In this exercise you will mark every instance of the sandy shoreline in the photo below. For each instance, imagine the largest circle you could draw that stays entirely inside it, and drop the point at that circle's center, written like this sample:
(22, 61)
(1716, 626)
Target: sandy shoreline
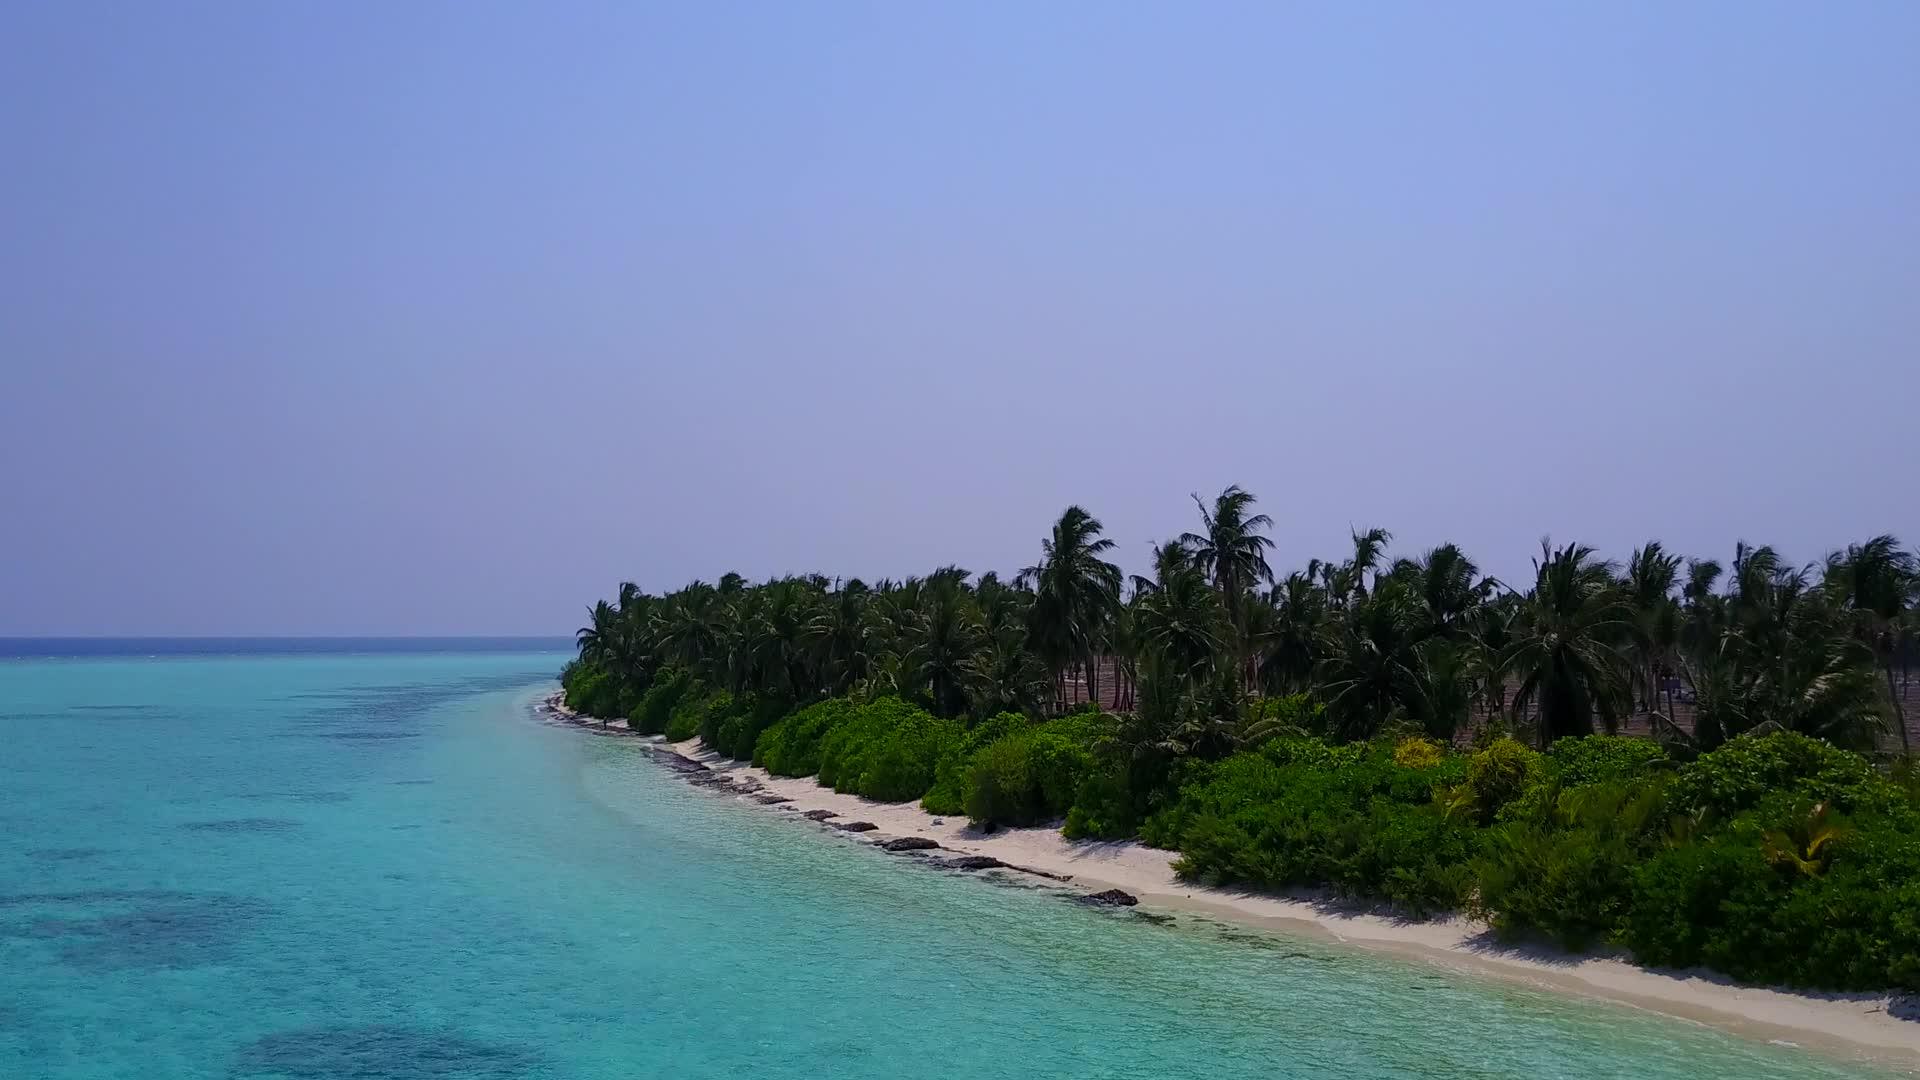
(1879, 1028)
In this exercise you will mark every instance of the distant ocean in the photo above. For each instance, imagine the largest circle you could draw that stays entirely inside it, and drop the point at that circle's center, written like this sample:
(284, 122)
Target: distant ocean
(49, 647)
(318, 861)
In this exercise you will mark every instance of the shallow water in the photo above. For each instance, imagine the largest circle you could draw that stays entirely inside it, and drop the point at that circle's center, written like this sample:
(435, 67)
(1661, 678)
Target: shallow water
(324, 866)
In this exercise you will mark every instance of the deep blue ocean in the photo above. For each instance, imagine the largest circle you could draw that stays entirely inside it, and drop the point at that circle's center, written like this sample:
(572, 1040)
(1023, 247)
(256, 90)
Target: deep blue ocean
(364, 861)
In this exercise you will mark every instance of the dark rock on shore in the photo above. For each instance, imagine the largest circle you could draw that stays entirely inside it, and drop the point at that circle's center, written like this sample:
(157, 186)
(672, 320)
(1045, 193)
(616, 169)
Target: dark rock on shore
(855, 826)
(910, 843)
(1048, 874)
(680, 762)
(973, 862)
(771, 800)
(1110, 898)
(819, 815)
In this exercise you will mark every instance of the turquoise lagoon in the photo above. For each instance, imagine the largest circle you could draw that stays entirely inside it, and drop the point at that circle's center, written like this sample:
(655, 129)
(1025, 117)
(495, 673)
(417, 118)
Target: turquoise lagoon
(364, 862)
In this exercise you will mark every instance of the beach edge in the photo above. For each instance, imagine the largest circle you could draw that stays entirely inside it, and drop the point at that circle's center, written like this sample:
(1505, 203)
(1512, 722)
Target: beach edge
(1858, 1027)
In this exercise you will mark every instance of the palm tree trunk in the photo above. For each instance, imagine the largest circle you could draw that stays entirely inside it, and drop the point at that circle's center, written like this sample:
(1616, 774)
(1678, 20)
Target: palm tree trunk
(1093, 679)
(1899, 711)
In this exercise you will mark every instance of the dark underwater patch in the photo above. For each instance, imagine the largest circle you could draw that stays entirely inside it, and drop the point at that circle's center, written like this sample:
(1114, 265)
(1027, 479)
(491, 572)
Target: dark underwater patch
(405, 699)
(92, 896)
(380, 1052)
(66, 854)
(245, 824)
(300, 796)
(140, 928)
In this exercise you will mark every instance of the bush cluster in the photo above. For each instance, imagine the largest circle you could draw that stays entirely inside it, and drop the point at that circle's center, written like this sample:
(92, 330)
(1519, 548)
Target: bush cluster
(690, 715)
(655, 710)
(1775, 858)
(1298, 812)
(591, 691)
(950, 781)
(887, 750)
(792, 746)
(1027, 778)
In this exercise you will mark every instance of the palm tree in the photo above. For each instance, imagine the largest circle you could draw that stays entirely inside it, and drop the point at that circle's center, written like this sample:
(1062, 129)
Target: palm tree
(1822, 685)
(1169, 558)
(1450, 586)
(595, 640)
(1489, 656)
(945, 640)
(1368, 548)
(1373, 675)
(1004, 675)
(687, 632)
(1566, 651)
(1878, 581)
(776, 621)
(1075, 594)
(1231, 549)
(835, 637)
(1650, 579)
(1289, 632)
(1181, 624)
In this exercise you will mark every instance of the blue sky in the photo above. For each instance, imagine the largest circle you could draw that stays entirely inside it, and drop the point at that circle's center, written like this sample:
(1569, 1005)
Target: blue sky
(444, 318)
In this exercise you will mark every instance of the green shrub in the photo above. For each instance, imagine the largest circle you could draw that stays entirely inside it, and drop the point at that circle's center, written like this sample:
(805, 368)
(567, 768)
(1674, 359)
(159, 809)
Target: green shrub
(1025, 778)
(949, 792)
(734, 729)
(1347, 817)
(1569, 873)
(591, 691)
(1311, 751)
(1720, 785)
(691, 716)
(1103, 808)
(717, 713)
(1499, 775)
(1418, 753)
(1593, 759)
(1291, 715)
(655, 710)
(1729, 902)
(1411, 856)
(887, 750)
(792, 746)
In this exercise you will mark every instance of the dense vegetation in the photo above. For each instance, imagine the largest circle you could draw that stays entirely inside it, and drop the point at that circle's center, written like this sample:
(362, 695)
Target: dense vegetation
(1406, 731)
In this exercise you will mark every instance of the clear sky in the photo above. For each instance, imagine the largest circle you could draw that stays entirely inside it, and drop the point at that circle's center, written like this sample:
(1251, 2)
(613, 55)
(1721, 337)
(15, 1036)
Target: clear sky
(444, 318)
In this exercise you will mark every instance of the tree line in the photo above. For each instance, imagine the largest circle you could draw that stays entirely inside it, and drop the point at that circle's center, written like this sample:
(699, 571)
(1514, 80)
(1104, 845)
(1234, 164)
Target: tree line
(1423, 644)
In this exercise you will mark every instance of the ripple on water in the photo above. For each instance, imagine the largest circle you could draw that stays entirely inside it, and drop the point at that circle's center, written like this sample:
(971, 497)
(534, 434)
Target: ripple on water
(380, 1052)
(244, 824)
